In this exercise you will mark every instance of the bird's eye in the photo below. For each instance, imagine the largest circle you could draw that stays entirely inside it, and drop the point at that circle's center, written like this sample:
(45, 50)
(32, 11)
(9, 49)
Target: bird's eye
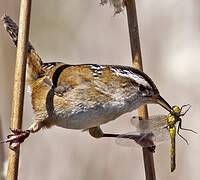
(142, 88)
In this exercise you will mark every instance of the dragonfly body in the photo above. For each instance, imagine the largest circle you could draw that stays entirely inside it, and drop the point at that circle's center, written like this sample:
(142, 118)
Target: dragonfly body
(159, 128)
(172, 132)
(171, 121)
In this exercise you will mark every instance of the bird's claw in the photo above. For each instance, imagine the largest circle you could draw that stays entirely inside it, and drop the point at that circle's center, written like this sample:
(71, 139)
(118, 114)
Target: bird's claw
(16, 138)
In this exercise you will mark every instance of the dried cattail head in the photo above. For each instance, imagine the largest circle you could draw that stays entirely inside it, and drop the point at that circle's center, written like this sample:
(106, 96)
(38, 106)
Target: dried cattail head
(117, 4)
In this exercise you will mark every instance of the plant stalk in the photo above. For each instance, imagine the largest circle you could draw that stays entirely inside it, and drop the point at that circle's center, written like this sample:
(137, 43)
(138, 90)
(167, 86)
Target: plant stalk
(137, 63)
(19, 84)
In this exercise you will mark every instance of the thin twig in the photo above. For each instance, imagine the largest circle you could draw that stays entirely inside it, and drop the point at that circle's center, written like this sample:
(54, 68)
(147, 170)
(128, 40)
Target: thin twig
(19, 84)
(137, 63)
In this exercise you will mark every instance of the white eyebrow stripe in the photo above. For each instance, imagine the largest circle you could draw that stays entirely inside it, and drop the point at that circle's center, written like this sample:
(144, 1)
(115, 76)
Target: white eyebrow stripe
(96, 69)
(129, 74)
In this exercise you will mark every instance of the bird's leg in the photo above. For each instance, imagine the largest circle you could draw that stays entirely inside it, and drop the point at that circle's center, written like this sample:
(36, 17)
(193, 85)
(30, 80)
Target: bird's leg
(97, 132)
(18, 135)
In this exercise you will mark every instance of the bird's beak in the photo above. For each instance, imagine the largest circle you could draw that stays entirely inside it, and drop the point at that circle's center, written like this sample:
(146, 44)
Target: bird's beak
(159, 100)
(163, 103)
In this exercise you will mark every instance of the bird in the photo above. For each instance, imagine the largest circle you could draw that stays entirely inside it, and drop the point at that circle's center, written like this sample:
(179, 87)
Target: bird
(80, 96)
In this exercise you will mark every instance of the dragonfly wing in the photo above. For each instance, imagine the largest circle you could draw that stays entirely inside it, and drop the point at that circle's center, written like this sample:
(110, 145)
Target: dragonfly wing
(161, 135)
(153, 122)
(133, 139)
(144, 138)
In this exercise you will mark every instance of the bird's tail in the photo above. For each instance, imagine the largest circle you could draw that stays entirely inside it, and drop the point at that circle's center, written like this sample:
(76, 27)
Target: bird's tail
(34, 62)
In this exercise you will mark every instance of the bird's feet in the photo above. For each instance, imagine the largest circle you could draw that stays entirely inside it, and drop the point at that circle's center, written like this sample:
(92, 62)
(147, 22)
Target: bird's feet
(16, 138)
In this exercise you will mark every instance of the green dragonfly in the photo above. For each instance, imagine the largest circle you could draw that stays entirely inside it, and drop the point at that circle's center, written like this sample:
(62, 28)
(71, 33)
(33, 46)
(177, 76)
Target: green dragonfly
(156, 130)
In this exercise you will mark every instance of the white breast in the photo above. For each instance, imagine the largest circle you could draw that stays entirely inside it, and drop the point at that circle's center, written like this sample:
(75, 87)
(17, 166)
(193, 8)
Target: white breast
(85, 118)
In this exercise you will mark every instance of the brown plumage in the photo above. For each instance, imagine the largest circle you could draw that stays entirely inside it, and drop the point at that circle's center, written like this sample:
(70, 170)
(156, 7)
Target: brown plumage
(82, 96)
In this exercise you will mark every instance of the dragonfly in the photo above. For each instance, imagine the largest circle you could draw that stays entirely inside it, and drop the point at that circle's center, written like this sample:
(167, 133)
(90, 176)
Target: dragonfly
(156, 130)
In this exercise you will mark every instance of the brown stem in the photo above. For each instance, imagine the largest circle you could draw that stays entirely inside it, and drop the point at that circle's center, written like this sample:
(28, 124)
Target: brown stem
(19, 83)
(137, 63)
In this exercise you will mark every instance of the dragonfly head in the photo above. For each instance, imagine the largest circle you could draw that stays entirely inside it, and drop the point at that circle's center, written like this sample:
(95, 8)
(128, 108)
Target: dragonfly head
(176, 111)
(175, 114)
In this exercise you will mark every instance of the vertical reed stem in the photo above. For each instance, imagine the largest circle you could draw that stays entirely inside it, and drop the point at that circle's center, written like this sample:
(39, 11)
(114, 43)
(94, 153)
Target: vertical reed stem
(137, 63)
(19, 84)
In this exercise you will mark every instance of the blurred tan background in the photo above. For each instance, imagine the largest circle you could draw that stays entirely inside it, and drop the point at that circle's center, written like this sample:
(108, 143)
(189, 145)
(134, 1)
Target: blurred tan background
(85, 32)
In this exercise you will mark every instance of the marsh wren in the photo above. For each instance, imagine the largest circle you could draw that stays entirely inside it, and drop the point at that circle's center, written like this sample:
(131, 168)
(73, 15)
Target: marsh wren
(82, 96)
